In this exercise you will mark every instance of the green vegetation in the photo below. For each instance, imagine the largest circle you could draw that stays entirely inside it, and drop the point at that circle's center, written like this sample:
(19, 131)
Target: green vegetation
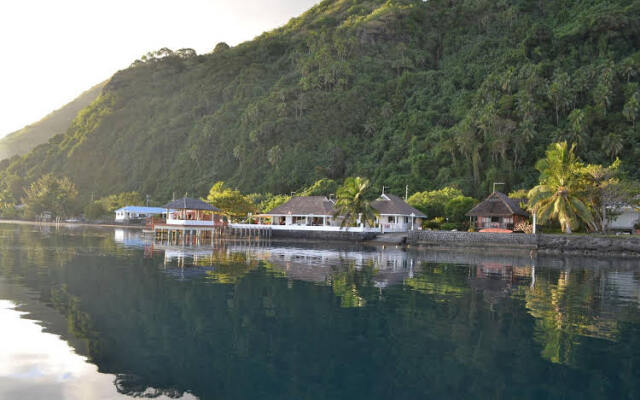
(426, 94)
(557, 195)
(52, 194)
(573, 193)
(353, 203)
(105, 206)
(271, 201)
(445, 208)
(230, 201)
(22, 141)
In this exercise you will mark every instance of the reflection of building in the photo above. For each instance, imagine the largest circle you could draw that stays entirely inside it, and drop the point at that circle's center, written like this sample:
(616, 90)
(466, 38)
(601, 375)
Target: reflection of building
(129, 238)
(391, 266)
(498, 280)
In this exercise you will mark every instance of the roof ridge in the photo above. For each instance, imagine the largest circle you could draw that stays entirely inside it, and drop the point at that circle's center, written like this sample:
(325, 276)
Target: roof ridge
(505, 199)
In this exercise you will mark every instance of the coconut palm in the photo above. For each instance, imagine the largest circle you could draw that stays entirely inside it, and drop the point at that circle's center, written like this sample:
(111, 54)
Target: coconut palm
(351, 203)
(557, 195)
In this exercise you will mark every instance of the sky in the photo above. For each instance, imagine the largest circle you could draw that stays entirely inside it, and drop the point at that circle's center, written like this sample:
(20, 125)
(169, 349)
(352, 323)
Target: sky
(37, 364)
(55, 50)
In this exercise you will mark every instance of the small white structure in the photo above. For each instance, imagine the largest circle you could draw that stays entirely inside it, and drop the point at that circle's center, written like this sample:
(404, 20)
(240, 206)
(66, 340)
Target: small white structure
(304, 211)
(132, 213)
(395, 215)
(192, 213)
(625, 219)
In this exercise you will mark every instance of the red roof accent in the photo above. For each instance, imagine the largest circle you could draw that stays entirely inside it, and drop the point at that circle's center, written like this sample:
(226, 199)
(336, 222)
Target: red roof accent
(495, 230)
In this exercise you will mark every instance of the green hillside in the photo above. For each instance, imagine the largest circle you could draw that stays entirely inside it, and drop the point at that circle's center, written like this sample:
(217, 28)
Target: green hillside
(22, 141)
(405, 92)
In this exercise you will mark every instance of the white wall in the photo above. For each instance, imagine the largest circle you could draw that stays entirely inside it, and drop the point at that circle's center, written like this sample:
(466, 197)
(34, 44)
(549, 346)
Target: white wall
(626, 220)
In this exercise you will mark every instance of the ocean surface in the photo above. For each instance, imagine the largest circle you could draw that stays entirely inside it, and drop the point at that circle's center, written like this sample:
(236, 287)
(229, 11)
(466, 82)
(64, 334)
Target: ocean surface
(97, 313)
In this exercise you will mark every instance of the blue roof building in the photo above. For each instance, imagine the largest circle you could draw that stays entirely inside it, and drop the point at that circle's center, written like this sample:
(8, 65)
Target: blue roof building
(137, 212)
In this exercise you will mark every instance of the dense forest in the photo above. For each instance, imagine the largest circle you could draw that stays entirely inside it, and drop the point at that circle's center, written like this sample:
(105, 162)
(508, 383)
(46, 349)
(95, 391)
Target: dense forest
(461, 93)
(23, 140)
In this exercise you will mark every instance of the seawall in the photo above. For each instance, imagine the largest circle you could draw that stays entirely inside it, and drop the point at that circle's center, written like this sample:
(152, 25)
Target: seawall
(342, 235)
(543, 243)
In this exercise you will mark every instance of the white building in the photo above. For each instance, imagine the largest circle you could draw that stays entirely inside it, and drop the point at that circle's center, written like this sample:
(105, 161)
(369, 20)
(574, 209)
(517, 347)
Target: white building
(304, 211)
(192, 212)
(136, 213)
(395, 215)
(625, 219)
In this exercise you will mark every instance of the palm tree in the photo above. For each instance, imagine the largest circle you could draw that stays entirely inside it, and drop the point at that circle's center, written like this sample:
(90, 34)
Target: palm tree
(351, 203)
(612, 145)
(557, 195)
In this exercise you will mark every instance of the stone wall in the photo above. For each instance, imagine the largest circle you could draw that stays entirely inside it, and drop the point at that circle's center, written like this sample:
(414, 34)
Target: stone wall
(322, 235)
(589, 244)
(544, 243)
(447, 239)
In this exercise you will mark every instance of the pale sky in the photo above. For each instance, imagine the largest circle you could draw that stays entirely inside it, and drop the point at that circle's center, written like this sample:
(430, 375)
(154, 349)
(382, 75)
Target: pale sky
(37, 364)
(54, 50)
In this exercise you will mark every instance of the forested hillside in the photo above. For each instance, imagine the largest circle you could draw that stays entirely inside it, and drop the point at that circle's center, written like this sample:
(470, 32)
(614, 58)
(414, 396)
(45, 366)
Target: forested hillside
(23, 140)
(405, 92)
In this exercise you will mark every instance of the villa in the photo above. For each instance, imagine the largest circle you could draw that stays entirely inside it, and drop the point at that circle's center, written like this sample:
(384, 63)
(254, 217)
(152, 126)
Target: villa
(498, 213)
(192, 212)
(395, 215)
(303, 211)
(189, 222)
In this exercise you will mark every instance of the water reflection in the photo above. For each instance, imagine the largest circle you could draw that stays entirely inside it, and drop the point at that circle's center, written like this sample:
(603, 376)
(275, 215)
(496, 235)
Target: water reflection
(37, 364)
(269, 320)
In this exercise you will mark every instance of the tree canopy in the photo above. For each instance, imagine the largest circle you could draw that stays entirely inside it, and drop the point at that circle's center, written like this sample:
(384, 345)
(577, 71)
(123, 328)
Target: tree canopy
(52, 194)
(559, 195)
(230, 201)
(426, 94)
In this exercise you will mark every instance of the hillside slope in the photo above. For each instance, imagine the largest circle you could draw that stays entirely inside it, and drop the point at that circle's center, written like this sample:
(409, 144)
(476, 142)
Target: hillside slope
(404, 92)
(22, 141)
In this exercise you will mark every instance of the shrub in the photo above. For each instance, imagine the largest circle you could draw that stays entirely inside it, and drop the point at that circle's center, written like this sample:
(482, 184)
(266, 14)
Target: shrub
(448, 226)
(433, 223)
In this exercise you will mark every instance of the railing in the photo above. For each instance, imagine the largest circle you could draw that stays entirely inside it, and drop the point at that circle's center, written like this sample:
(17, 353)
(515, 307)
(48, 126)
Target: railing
(189, 222)
(390, 228)
(151, 221)
(304, 228)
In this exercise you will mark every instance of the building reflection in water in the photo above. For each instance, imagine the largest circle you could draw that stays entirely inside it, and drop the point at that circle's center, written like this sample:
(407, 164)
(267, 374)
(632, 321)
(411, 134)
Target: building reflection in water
(576, 296)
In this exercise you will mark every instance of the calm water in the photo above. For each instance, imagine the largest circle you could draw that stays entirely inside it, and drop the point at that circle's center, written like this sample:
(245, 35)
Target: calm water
(101, 314)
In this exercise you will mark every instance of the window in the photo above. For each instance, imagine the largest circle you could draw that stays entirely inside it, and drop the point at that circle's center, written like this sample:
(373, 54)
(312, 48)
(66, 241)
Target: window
(390, 220)
(495, 219)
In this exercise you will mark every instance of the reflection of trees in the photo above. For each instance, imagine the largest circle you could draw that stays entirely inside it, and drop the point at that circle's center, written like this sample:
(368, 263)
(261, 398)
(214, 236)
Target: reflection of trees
(266, 337)
(348, 283)
(440, 279)
(567, 307)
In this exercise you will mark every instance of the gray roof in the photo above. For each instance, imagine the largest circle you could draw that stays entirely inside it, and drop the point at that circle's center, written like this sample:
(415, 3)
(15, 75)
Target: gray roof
(187, 203)
(305, 205)
(497, 205)
(394, 205)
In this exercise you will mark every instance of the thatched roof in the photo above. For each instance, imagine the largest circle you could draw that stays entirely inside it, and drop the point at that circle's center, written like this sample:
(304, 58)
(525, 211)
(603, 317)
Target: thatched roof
(305, 205)
(394, 205)
(187, 203)
(497, 205)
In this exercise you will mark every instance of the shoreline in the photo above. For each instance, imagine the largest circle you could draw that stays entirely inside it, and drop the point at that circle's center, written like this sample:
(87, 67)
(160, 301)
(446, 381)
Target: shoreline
(544, 244)
(69, 224)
